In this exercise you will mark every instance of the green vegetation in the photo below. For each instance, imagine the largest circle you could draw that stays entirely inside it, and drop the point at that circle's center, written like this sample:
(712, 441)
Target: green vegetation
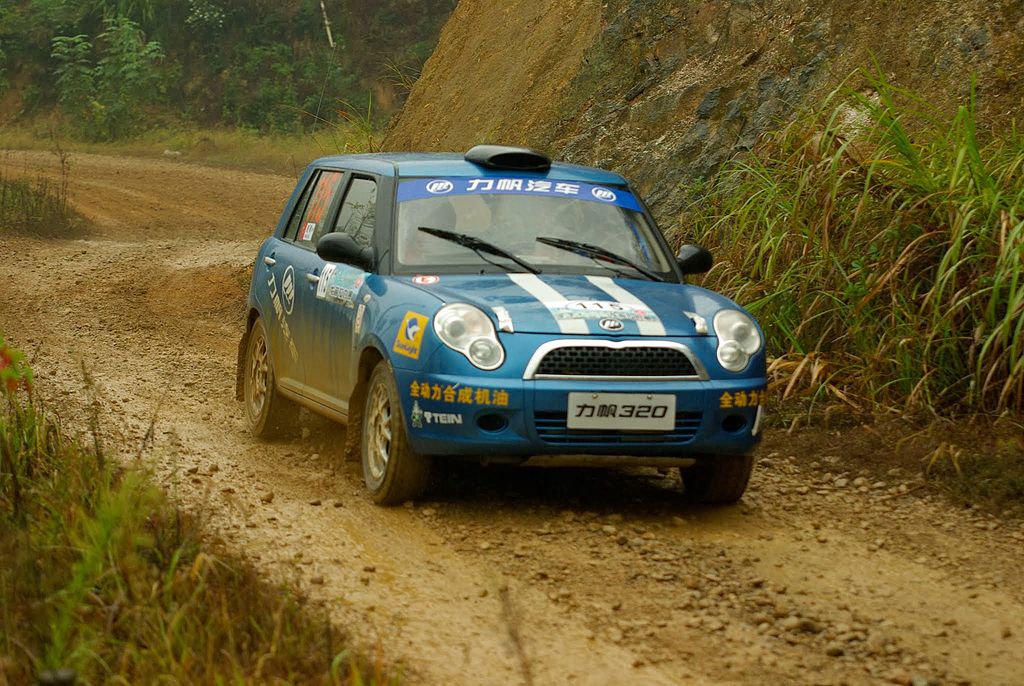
(115, 67)
(883, 250)
(102, 575)
(38, 207)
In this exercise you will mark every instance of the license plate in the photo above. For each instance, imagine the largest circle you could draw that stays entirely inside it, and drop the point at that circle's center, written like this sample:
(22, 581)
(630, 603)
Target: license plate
(622, 411)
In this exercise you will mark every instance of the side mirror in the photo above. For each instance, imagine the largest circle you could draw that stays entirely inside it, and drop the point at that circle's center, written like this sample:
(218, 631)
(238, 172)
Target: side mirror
(694, 259)
(340, 247)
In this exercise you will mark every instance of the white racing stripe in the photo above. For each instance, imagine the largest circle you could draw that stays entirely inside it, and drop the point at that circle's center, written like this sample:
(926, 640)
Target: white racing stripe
(653, 327)
(546, 294)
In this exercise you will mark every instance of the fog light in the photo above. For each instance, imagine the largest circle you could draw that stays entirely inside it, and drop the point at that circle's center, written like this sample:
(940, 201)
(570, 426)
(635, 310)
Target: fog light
(485, 353)
(732, 356)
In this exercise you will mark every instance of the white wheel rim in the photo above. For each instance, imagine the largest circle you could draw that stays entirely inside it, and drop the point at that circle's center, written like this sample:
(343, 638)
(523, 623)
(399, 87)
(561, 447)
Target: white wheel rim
(378, 451)
(258, 376)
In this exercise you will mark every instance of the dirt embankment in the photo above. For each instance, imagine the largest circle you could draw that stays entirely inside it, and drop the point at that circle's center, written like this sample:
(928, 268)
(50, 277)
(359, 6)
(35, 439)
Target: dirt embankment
(665, 91)
(825, 574)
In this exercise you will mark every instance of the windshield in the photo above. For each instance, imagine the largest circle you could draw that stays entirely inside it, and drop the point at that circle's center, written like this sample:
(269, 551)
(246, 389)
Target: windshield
(505, 214)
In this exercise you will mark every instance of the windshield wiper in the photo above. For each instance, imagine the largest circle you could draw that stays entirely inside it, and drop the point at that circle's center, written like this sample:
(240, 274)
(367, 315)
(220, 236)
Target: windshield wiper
(597, 253)
(478, 245)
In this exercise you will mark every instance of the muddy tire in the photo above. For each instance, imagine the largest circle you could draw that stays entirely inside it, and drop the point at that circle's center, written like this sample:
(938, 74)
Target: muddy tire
(393, 472)
(718, 480)
(268, 413)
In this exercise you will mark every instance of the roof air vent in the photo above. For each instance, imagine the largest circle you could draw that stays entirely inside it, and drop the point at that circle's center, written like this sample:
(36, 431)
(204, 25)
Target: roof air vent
(505, 157)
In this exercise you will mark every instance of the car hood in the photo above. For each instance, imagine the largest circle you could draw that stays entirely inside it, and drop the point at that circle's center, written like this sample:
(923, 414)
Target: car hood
(580, 304)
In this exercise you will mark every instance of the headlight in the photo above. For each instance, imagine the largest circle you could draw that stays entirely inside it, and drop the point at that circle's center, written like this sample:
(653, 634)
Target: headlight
(738, 339)
(466, 329)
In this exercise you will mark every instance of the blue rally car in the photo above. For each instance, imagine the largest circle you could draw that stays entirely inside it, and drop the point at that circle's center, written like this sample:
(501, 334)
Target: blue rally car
(496, 306)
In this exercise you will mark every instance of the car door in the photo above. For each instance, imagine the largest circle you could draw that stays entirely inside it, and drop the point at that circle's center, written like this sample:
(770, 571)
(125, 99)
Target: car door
(296, 272)
(340, 290)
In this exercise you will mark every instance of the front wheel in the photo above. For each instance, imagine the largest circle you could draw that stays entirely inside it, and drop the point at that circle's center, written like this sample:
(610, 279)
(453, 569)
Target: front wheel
(393, 472)
(718, 479)
(268, 413)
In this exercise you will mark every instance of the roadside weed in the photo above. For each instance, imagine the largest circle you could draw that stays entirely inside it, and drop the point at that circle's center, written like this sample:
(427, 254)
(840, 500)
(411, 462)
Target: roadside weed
(883, 251)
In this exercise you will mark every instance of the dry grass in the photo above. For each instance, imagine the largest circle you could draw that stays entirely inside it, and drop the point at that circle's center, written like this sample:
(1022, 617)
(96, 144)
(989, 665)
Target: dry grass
(103, 576)
(883, 250)
(234, 148)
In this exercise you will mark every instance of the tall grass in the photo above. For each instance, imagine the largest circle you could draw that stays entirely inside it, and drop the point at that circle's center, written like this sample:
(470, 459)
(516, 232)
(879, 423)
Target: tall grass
(38, 207)
(882, 248)
(99, 574)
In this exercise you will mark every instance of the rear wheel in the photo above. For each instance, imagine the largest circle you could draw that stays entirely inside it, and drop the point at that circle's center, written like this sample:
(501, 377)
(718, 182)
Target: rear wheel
(718, 479)
(267, 412)
(393, 472)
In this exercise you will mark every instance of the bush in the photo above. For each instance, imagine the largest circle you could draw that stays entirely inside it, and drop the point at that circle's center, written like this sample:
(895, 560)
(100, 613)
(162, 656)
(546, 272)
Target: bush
(109, 99)
(881, 248)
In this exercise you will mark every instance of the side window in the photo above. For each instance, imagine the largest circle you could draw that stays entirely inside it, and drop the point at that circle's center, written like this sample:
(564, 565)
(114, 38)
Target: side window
(358, 214)
(292, 231)
(310, 227)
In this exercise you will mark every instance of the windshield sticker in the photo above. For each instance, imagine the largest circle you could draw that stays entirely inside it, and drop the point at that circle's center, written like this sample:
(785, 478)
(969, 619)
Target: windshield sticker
(600, 309)
(340, 284)
(307, 233)
(410, 335)
(418, 189)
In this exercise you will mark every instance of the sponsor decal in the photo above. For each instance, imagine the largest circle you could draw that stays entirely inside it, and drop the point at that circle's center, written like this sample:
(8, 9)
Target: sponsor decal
(573, 315)
(649, 325)
(307, 232)
(418, 189)
(442, 418)
(426, 280)
(357, 328)
(459, 395)
(288, 289)
(420, 418)
(282, 317)
(741, 399)
(504, 320)
(410, 335)
(600, 309)
(340, 284)
(440, 186)
(540, 290)
(612, 324)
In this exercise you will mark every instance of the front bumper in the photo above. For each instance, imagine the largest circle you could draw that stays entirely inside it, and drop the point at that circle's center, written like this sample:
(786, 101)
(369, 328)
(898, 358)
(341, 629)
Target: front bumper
(451, 414)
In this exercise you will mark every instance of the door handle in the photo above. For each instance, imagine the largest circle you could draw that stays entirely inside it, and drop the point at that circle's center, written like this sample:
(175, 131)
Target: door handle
(312, 278)
(269, 261)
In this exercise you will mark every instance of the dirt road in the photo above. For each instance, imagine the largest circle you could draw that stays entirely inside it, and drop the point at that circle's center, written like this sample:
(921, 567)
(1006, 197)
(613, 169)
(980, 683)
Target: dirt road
(501, 576)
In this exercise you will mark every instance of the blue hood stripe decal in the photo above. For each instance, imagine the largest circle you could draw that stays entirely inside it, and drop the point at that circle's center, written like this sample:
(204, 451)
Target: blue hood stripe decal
(652, 327)
(546, 295)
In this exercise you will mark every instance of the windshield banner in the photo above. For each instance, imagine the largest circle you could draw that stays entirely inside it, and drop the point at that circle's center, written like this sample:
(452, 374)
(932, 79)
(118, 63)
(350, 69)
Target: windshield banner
(419, 189)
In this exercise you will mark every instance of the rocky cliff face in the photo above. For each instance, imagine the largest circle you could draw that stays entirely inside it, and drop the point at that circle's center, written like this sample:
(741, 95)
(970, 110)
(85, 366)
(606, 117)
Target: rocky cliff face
(665, 91)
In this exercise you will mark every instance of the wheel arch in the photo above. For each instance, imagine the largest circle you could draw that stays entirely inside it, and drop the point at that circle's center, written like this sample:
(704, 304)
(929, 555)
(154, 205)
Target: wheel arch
(243, 345)
(369, 357)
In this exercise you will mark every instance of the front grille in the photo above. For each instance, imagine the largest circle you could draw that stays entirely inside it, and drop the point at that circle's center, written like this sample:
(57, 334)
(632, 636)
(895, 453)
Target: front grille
(593, 360)
(551, 428)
